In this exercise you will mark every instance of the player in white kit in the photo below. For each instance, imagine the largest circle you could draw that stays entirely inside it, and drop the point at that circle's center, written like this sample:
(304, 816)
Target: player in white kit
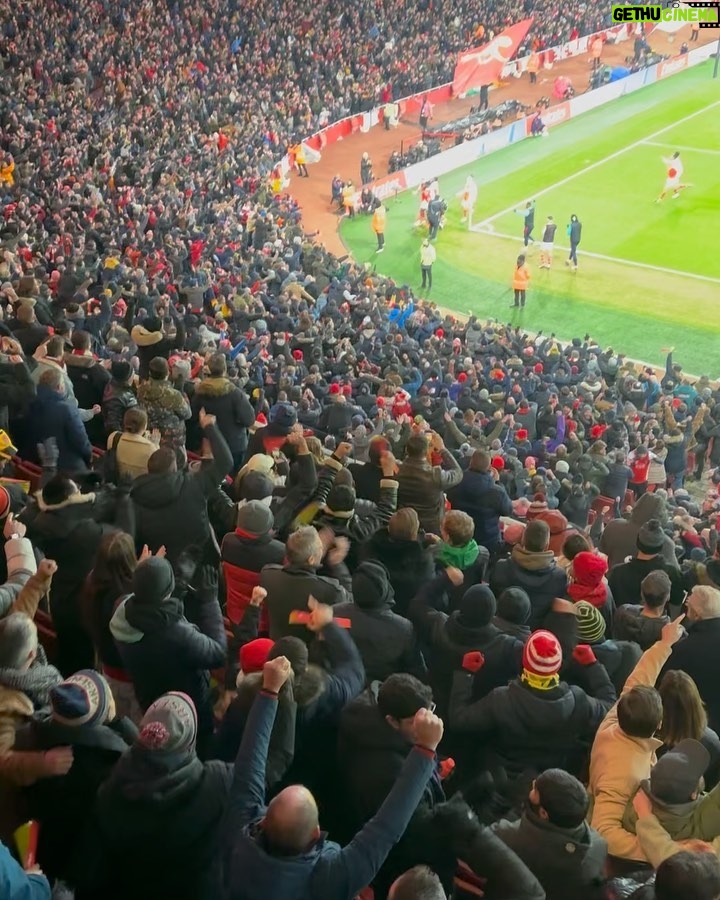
(673, 181)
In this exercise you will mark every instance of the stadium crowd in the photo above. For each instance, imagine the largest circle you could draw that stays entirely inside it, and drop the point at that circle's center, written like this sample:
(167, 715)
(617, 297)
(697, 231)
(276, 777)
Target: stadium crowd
(294, 526)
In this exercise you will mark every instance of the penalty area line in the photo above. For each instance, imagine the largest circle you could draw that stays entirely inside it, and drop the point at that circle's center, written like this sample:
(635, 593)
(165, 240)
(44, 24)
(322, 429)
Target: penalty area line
(479, 229)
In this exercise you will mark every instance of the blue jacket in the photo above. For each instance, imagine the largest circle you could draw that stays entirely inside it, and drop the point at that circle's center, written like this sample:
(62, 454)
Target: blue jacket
(483, 500)
(51, 415)
(16, 885)
(249, 872)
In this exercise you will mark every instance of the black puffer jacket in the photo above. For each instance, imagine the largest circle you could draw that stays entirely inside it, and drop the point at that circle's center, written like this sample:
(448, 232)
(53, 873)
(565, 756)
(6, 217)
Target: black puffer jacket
(386, 641)
(230, 405)
(409, 565)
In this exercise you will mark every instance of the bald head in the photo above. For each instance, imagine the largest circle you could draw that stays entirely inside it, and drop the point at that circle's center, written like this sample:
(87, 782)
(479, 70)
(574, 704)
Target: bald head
(291, 821)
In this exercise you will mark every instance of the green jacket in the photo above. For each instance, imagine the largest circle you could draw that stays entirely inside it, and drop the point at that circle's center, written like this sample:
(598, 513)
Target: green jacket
(699, 819)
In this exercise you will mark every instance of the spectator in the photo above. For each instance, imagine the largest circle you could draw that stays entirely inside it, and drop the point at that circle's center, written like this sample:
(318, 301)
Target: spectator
(89, 379)
(244, 554)
(50, 415)
(555, 842)
(172, 506)
(401, 550)
(483, 499)
(587, 572)
(422, 486)
(290, 586)
(82, 717)
(17, 884)
(221, 398)
(533, 568)
(624, 750)
(522, 724)
(153, 344)
(131, 447)
(118, 396)
(618, 657)
(626, 578)
(619, 539)
(513, 613)
(367, 477)
(137, 815)
(695, 654)
(290, 824)
(386, 641)
(159, 647)
(167, 409)
(70, 526)
(643, 623)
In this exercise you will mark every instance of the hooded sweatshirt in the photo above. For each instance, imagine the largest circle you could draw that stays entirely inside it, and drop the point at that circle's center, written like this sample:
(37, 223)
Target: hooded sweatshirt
(629, 624)
(537, 573)
(619, 539)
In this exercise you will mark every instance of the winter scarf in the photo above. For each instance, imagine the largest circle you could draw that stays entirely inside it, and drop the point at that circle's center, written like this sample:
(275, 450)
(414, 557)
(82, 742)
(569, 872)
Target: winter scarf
(540, 682)
(149, 618)
(34, 682)
(460, 557)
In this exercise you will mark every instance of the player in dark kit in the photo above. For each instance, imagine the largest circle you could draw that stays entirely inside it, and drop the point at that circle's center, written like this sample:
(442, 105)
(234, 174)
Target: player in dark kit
(574, 231)
(528, 215)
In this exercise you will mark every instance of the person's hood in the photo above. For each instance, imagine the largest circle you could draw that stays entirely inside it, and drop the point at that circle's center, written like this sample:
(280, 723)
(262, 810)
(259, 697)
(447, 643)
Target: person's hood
(363, 727)
(522, 632)
(214, 387)
(455, 632)
(144, 338)
(668, 811)
(637, 627)
(74, 361)
(121, 629)
(47, 733)
(532, 561)
(649, 506)
(397, 554)
(158, 490)
(57, 521)
(577, 843)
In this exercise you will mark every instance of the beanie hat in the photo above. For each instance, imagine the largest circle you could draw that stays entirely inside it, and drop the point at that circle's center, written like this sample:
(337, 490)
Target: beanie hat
(170, 724)
(542, 654)
(597, 431)
(371, 586)
(589, 568)
(297, 355)
(153, 581)
(462, 378)
(590, 623)
(513, 605)
(121, 370)
(498, 463)
(261, 419)
(562, 467)
(538, 368)
(341, 501)
(538, 506)
(477, 607)
(650, 537)
(294, 650)
(256, 486)
(4, 502)
(254, 655)
(334, 388)
(284, 415)
(521, 434)
(83, 699)
(159, 368)
(255, 517)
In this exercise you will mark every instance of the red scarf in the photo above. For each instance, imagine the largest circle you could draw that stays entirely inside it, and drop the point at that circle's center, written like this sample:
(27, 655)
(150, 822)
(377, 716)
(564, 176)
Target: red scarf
(595, 595)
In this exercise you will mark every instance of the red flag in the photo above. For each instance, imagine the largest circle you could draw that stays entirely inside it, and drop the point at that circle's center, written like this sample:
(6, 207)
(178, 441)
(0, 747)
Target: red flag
(483, 65)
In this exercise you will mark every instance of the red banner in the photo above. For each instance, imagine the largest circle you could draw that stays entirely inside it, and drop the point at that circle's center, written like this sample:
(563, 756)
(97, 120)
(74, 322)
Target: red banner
(483, 65)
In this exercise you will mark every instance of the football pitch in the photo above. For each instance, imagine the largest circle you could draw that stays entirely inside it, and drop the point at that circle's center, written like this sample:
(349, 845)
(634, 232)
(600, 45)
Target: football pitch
(649, 273)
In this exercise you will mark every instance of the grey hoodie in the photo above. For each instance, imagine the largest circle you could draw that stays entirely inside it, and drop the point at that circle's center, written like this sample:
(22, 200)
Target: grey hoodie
(629, 624)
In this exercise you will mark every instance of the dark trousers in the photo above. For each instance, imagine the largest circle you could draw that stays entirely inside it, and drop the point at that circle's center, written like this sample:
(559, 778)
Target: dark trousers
(426, 275)
(302, 170)
(381, 240)
(573, 252)
(519, 297)
(527, 235)
(533, 78)
(434, 225)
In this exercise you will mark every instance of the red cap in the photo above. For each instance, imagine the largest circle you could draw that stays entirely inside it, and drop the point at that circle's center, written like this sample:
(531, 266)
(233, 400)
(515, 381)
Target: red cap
(381, 401)
(261, 419)
(462, 377)
(254, 655)
(440, 333)
(589, 568)
(521, 434)
(539, 368)
(347, 390)
(597, 431)
(498, 463)
(297, 354)
(334, 388)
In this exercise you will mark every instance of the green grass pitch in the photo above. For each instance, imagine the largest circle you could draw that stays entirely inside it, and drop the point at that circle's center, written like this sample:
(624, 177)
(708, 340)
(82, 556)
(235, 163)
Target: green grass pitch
(649, 274)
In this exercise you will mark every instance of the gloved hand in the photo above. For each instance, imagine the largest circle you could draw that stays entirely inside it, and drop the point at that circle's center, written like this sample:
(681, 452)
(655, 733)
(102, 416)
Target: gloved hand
(473, 661)
(583, 654)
